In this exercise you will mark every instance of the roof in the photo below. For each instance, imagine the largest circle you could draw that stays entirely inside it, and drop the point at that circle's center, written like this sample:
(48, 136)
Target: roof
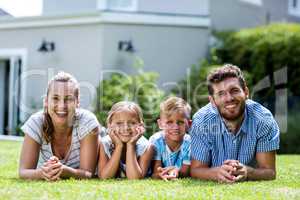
(4, 13)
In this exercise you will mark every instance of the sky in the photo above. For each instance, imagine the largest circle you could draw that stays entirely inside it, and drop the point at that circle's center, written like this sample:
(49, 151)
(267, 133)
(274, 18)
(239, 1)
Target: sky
(20, 8)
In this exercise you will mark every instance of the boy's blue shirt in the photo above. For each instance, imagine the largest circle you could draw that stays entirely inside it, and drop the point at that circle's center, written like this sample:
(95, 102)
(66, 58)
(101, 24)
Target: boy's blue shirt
(166, 156)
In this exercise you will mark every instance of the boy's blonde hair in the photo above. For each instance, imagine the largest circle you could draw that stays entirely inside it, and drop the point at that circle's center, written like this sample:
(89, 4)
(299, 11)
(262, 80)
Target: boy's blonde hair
(175, 104)
(127, 106)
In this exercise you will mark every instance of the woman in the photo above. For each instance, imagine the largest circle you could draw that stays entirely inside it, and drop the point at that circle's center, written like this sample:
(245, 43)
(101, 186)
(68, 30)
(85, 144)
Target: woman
(61, 141)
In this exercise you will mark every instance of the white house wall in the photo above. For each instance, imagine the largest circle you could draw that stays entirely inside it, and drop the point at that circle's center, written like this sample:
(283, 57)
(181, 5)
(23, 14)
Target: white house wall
(77, 51)
(239, 14)
(235, 15)
(169, 50)
(187, 7)
(53, 7)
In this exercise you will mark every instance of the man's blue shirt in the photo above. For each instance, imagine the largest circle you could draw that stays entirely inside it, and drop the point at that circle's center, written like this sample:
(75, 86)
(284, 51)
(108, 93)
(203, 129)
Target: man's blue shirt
(212, 143)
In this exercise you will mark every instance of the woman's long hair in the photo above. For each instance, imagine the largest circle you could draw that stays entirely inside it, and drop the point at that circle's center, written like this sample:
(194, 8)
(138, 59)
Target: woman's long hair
(48, 127)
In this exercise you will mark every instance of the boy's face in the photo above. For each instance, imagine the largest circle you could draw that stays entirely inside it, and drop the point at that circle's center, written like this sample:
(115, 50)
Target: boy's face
(174, 125)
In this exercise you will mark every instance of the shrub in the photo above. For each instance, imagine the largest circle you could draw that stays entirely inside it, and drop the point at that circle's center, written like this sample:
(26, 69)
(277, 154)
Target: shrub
(290, 141)
(264, 50)
(140, 88)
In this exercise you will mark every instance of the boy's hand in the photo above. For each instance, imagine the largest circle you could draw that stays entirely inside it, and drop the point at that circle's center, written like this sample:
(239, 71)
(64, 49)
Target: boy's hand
(168, 173)
(174, 173)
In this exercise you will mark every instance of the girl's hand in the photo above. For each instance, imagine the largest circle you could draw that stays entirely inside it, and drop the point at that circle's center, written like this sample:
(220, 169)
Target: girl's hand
(115, 137)
(139, 131)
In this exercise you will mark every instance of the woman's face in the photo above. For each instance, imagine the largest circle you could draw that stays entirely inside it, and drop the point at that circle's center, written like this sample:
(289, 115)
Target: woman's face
(61, 103)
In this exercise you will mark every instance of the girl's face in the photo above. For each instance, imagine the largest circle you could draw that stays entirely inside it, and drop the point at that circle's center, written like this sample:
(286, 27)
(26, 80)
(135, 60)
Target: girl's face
(61, 103)
(125, 123)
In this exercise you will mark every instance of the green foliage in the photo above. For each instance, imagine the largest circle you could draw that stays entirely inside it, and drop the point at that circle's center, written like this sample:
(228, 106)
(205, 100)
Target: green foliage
(264, 50)
(290, 141)
(286, 186)
(194, 88)
(140, 88)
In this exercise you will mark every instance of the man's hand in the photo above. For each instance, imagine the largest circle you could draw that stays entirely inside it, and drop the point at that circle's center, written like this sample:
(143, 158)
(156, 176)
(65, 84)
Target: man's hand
(241, 172)
(224, 174)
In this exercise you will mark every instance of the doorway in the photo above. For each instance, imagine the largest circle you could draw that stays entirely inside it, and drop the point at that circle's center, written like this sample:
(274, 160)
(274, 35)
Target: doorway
(10, 71)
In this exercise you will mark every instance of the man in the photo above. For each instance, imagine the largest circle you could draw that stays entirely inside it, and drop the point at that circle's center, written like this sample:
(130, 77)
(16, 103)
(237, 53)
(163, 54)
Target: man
(233, 138)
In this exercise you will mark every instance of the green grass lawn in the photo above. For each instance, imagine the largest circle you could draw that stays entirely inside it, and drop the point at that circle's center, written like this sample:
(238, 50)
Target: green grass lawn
(286, 186)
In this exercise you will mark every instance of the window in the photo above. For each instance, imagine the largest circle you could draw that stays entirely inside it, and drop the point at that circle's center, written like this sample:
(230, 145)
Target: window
(254, 2)
(294, 7)
(122, 5)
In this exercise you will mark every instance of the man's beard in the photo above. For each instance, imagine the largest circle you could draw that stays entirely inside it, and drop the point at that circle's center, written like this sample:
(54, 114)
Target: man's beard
(230, 116)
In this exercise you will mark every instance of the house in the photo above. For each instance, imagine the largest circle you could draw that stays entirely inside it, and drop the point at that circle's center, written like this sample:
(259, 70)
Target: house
(4, 13)
(91, 39)
(239, 14)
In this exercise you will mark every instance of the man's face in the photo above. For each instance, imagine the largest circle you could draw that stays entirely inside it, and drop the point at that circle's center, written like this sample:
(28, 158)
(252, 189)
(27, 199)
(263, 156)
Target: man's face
(229, 98)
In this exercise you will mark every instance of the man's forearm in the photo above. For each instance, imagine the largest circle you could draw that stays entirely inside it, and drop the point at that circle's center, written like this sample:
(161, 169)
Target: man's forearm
(260, 174)
(204, 173)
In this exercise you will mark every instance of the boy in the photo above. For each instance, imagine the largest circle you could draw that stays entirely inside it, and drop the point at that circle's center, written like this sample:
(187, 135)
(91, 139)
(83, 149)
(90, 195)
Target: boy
(172, 144)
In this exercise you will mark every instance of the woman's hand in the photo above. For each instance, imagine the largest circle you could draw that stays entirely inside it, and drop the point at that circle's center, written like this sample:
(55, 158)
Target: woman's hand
(52, 169)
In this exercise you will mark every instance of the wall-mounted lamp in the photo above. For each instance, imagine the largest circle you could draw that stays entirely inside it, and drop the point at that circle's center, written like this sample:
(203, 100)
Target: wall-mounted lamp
(126, 45)
(46, 46)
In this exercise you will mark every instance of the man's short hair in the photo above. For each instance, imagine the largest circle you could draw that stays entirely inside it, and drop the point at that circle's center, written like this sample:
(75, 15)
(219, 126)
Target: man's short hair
(175, 104)
(222, 73)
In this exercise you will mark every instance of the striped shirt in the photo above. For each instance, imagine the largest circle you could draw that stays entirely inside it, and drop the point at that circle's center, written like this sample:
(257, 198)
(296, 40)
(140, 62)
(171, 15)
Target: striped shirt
(84, 123)
(168, 157)
(212, 143)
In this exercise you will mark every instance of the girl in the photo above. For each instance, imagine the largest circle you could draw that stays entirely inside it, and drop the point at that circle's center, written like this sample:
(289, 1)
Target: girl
(124, 152)
(60, 141)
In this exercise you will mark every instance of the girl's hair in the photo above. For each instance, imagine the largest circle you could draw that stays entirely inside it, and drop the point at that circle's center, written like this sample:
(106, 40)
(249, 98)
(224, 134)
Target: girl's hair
(125, 106)
(48, 127)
